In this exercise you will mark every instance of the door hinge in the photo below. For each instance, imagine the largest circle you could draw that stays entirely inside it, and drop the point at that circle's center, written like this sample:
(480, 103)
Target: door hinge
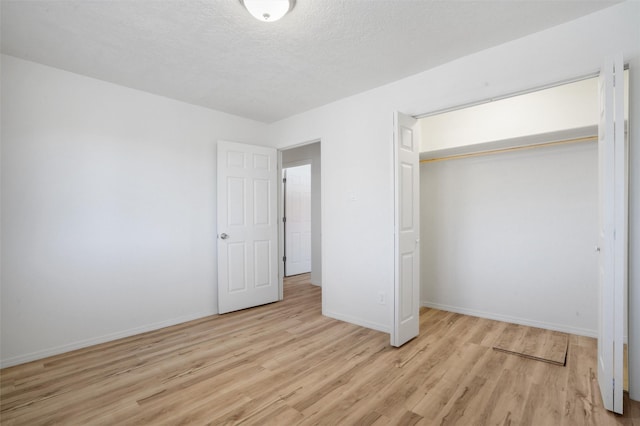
(284, 258)
(284, 180)
(613, 389)
(284, 219)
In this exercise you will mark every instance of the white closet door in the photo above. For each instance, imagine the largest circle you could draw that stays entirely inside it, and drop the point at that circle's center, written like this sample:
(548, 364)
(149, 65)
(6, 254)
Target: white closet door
(612, 245)
(406, 306)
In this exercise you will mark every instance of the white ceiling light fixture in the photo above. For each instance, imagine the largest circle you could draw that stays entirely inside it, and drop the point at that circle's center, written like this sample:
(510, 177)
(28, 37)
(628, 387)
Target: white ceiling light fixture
(268, 10)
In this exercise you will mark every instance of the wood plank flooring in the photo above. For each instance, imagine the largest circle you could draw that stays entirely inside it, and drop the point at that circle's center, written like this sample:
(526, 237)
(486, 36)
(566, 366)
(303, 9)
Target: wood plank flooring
(285, 363)
(535, 343)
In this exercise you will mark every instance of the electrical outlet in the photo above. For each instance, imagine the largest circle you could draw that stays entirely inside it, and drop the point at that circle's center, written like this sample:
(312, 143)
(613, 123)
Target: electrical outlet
(381, 298)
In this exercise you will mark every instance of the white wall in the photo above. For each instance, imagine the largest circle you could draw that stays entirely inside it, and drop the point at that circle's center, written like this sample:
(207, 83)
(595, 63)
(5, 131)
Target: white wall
(357, 183)
(108, 210)
(311, 154)
(357, 206)
(563, 112)
(505, 233)
(560, 112)
(569, 106)
(511, 236)
(356, 138)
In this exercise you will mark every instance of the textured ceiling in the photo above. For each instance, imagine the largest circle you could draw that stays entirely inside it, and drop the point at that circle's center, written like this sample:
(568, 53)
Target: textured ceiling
(213, 53)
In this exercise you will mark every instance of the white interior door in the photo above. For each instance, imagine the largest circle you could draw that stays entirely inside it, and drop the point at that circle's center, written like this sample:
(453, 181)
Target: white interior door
(612, 240)
(247, 226)
(406, 300)
(297, 207)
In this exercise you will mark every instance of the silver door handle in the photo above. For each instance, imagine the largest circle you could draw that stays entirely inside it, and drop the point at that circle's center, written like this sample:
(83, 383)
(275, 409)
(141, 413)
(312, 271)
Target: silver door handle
(224, 236)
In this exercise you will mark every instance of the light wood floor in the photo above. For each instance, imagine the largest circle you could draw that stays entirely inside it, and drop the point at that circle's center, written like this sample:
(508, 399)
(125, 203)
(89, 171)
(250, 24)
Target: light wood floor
(287, 364)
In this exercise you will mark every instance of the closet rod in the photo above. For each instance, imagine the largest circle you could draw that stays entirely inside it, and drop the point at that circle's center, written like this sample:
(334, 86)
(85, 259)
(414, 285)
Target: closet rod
(512, 149)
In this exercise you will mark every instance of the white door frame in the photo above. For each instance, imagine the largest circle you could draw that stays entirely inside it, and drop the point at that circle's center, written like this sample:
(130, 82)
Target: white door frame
(619, 199)
(280, 229)
(281, 212)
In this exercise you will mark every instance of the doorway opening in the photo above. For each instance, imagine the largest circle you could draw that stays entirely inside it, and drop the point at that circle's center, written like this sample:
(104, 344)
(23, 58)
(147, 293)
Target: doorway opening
(509, 203)
(300, 209)
(297, 219)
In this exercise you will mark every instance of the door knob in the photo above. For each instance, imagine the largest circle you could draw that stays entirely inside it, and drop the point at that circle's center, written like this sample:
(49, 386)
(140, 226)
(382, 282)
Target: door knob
(224, 236)
(597, 249)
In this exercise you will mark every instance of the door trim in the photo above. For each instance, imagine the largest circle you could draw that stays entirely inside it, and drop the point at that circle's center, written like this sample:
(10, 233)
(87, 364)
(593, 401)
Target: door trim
(281, 213)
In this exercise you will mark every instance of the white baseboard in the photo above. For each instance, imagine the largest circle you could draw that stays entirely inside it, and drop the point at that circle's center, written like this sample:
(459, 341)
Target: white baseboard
(515, 320)
(33, 356)
(357, 321)
(21, 359)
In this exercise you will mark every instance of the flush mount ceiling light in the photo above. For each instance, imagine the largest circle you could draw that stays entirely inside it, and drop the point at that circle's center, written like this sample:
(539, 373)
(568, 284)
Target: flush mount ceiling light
(268, 10)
